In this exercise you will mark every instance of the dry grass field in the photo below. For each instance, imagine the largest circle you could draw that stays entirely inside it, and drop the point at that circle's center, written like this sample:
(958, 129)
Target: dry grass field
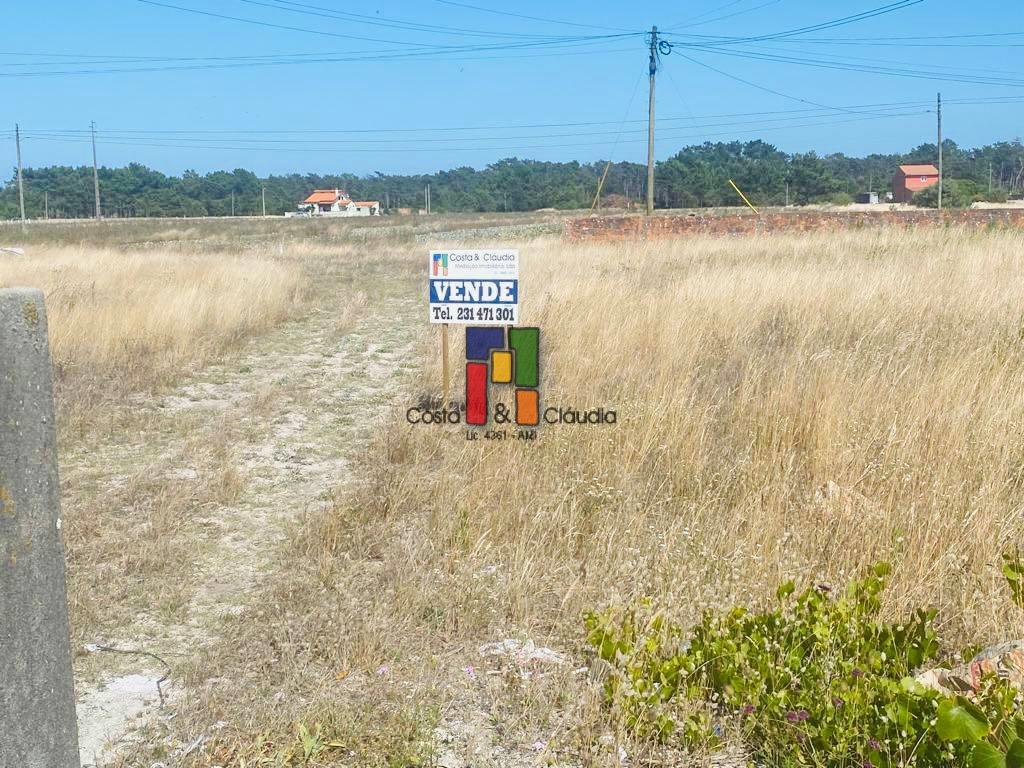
(125, 322)
(789, 407)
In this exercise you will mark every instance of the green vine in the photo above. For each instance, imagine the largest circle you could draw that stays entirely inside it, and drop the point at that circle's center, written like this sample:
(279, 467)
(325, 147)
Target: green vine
(819, 680)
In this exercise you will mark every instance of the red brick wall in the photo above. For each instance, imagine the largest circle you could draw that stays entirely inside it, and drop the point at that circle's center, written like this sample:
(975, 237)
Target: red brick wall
(667, 226)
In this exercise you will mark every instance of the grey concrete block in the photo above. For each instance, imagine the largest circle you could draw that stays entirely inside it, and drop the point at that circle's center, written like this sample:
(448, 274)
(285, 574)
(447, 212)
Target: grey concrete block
(37, 699)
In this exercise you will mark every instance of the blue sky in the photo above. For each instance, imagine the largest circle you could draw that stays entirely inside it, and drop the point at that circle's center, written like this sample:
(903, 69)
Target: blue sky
(555, 78)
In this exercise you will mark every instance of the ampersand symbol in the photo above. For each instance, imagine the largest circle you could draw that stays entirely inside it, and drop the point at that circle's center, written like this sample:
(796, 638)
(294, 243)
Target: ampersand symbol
(501, 414)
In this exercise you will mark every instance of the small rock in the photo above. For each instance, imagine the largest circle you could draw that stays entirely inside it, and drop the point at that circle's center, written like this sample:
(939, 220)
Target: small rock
(523, 653)
(449, 760)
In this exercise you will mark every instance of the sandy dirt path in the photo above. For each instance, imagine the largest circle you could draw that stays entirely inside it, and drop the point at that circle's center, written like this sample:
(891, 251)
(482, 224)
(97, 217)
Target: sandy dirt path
(299, 405)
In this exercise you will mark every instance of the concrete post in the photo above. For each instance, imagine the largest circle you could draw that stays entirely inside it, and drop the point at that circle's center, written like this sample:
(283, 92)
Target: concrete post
(37, 697)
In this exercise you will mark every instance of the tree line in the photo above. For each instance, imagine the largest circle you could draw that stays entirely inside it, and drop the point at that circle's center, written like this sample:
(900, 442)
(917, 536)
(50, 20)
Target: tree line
(697, 176)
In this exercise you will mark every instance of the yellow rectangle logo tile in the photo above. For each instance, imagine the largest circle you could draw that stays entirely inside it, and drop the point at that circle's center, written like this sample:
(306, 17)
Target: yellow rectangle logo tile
(501, 367)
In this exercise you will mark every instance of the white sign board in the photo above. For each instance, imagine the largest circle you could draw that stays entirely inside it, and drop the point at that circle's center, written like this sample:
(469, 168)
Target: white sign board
(474, 287)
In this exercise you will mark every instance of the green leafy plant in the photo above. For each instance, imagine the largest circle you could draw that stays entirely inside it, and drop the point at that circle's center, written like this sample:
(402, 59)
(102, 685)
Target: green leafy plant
(990, 727)
(817, 680)
(1013, 570)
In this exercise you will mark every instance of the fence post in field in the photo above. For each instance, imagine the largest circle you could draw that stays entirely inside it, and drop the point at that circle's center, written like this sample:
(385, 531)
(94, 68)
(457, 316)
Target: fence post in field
(37, 698)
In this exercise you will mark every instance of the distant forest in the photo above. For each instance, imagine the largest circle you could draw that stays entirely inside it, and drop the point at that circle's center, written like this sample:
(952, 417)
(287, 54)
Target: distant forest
(695, 177)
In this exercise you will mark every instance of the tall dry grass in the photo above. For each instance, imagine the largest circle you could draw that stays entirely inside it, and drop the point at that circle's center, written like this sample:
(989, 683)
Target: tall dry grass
(121, 322)
(789, 407)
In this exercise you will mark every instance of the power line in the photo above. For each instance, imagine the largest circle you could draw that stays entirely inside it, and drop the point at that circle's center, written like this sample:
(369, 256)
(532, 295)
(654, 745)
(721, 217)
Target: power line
(358, 18)
(382, 56)
(322, 32)
(444, 53)
(765, 115)
(862, 68)
(574, 145)
(524, 16)
(975, 35)
(872, 42)
(777, 48)
(840, 22)
(763, 87)
(732, 15)
(714, 10)
(271, 25)
(313, 143)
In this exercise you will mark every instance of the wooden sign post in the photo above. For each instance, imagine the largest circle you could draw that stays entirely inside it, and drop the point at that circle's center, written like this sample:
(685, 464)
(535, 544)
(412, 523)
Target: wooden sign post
(445, 372)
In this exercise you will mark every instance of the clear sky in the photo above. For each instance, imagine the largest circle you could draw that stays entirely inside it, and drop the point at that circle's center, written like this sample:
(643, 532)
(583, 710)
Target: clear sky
(377, 103)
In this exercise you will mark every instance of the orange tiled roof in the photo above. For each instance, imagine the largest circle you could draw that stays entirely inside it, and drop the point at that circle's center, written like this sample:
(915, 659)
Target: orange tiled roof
(325, 196)
(919, 170)
(368, 203)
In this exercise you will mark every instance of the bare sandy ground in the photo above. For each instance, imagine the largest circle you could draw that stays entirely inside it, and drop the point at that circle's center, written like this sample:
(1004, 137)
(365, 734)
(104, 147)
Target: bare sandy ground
(306, 398)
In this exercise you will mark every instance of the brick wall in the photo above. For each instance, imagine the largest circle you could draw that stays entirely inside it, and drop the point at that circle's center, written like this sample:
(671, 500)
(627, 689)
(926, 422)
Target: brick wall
(611, 228)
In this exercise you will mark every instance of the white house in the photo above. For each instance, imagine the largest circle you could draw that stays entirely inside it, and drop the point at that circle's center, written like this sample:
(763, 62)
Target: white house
(335, 202)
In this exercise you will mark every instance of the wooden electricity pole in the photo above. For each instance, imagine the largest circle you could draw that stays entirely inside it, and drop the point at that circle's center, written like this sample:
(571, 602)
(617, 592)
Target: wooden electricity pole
(939, 113)
(21, 180)
(95, 172)
(263, 194)
(232, 202)
(650, 123)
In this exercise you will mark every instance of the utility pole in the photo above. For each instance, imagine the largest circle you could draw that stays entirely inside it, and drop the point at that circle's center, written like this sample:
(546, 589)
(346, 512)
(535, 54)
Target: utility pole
(232, 202)
(46, 204)
(95, 172)
(787, 194)
(263, 194)
(426, 198)
(990, 178)
(21, 180)
(939, 112)
(650, 123)
(387, 201)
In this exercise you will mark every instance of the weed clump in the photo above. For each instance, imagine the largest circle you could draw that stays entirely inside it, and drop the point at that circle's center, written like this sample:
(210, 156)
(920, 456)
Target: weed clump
(819, 679)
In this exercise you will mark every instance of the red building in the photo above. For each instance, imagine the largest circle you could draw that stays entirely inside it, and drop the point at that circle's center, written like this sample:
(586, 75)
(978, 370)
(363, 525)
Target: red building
(911, 179)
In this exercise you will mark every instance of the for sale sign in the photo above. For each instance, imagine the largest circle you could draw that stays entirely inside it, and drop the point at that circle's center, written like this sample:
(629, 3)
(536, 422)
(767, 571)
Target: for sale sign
(474, 287)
